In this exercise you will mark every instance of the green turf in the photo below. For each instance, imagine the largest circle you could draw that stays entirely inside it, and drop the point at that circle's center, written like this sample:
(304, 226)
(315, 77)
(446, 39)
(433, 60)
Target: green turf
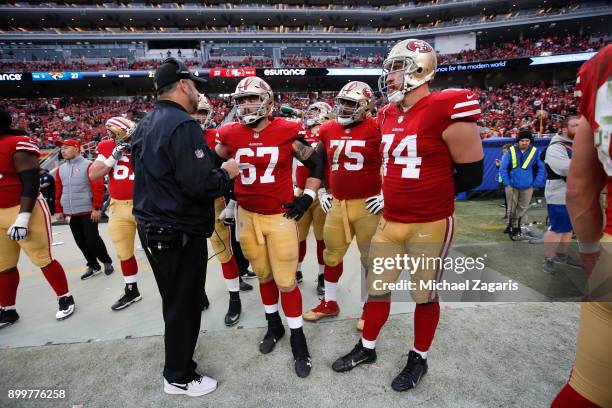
(479, 230)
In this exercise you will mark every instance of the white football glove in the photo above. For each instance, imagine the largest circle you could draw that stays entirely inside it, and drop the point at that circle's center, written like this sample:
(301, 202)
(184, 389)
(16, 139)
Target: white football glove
(227, 215)
(325, 199)
(19, 229)
(375, 204)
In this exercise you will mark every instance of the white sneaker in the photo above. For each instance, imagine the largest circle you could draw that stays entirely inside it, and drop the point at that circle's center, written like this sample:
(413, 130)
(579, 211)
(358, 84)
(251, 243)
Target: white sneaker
(202, 385)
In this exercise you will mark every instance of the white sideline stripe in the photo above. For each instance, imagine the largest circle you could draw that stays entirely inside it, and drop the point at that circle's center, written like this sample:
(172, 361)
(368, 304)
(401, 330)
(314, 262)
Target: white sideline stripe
(463, 104)
(464, 114)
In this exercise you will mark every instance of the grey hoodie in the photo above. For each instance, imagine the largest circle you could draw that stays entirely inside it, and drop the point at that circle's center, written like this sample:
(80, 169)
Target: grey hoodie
(559, 161)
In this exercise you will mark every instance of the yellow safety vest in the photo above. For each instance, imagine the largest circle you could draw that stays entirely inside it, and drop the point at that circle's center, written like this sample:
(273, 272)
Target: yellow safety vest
(527, 161)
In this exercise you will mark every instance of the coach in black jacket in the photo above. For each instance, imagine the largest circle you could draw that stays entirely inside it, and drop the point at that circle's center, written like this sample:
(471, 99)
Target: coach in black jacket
(175, 184)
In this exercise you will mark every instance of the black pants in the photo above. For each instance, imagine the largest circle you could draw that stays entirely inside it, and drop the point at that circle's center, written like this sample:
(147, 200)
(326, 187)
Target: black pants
(87, 237)
(180, 276)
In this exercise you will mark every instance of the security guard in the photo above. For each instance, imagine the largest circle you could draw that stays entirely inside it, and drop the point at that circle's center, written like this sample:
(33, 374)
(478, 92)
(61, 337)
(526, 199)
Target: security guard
(176, 181)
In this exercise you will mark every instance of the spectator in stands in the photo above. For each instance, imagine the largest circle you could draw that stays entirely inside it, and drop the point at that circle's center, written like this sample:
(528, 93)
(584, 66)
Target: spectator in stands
(80, 198)
(558, 156)
(521, 169)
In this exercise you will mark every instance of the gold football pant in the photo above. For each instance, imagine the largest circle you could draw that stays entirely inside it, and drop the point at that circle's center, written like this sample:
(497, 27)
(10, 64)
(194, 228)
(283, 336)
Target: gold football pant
(122, 227)
(345, 220)
(270, 243)
(37, 244)
(428, 240)
(220, 239)
(592, 373)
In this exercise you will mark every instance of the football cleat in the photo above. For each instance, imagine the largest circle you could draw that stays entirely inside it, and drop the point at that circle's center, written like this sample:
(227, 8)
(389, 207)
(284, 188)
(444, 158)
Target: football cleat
(415, 369)
(359, 355)
(324, 309)
(201, 385)
(66, 307)
(321, 285)
(233, 312)
(275, 332)
(8, 317)
(299, 348)
(130, 295)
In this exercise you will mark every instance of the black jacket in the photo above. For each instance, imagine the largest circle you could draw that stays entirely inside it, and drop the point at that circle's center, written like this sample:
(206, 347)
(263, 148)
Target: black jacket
(175, 179)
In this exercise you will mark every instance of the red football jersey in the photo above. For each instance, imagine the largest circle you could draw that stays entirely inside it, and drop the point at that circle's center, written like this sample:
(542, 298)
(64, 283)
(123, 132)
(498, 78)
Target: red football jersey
(121, 177)
(418, 169)
(353, 158)
(212, 137)
(593, 86)
(10, 184)
(265, 160)
(302, 172)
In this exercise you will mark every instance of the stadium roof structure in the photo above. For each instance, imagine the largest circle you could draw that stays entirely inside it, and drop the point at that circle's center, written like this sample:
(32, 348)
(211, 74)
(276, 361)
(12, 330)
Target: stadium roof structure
(238, 21)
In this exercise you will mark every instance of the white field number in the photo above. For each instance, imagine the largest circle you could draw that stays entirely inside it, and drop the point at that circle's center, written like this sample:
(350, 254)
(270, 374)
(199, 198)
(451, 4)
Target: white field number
(408, 159)
(248, 172)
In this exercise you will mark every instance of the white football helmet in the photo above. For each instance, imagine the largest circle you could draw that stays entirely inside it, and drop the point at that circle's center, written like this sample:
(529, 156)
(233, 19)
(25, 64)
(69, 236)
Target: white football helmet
(120, 128)
(354, 103)
(204, 113)
(317, 114)
(415, 63)
(251, 112)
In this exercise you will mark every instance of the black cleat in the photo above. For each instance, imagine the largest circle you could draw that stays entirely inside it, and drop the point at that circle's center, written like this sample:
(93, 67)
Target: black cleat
(245, 287)
(233, 312)
(131, 295)
(299, 277)
(205, 303)
(275, 332)
(66, 307)
(320, 285)
(299, 348)
(8, 317)
(359, 355)
(409, 378)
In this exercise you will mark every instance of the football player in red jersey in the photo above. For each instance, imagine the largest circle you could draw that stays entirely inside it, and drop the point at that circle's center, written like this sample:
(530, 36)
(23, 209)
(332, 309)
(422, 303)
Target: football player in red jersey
(590, 383)
(26, 222)
(113, 159)
(264, 148)
(351, 143)
(315, 115)
(220, 240)
(431, 150)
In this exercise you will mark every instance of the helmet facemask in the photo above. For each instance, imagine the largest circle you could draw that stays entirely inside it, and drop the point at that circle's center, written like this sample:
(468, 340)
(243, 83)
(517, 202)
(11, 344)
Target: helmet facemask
(204, 118)
(312, 117)
(249, 112)
(403, 67)
(348, 110)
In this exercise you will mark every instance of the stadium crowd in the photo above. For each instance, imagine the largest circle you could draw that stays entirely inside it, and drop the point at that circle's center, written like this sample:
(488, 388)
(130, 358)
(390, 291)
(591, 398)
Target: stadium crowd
(506, 109)
(515, 49)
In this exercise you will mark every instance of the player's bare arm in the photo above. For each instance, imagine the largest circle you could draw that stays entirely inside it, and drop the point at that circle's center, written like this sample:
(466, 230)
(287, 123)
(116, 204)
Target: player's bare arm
(98, 170)
(585, 180)
(465, 147)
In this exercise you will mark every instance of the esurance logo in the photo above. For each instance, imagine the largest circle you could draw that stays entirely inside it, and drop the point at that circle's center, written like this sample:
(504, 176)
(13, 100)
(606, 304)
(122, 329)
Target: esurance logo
(10, 77)
(284, 71)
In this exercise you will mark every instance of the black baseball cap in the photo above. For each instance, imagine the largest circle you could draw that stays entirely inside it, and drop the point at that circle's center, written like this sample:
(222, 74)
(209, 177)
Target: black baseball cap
(525, 134)
(172, 70)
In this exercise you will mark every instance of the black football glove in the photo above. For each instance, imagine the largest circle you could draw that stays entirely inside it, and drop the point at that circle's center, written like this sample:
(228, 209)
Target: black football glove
(298, 207)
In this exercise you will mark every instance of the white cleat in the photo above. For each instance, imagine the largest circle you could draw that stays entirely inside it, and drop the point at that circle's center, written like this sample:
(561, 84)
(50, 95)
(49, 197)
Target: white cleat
(202, 385)
(66, 307)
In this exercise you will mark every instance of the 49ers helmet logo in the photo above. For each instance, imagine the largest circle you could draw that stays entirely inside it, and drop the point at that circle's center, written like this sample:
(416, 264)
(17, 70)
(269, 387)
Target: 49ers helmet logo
(419, 46)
